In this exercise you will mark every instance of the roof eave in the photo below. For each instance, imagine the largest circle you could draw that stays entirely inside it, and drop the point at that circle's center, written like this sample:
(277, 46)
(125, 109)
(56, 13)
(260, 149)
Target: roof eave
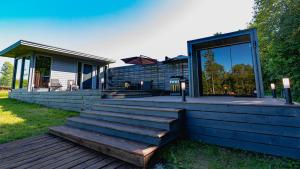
(11, 47)
(55, 50)
(221, 36)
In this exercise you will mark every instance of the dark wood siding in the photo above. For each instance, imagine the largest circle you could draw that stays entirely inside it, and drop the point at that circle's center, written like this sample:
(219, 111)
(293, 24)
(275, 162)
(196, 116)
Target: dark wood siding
(159, 73)
(261, 128)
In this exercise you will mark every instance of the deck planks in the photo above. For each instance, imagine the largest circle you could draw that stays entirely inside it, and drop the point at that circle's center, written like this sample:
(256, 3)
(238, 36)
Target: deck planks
(48, 151)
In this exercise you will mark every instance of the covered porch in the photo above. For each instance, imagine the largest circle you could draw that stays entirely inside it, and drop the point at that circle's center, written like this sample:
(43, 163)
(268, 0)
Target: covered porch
(39, 67)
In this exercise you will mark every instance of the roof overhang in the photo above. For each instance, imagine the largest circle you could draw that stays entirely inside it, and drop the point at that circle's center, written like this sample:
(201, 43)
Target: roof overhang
(24, 47)
(241, 36)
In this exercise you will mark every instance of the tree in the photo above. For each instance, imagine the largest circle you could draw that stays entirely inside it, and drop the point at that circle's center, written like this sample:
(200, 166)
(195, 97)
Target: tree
(278, 25)
(243, 79)
(6, 74)
(213, 74)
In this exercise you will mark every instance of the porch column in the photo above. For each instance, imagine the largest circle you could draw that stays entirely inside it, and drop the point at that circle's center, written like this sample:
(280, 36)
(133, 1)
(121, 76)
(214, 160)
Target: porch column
(105, 77)
(22, 72)
(257, 66)
(193, 69)
(14, 74)
(31, 73)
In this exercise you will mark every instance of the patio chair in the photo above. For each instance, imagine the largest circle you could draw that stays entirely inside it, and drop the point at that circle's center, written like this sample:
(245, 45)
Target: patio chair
(54, 85)
(72, 86)
(127, 85)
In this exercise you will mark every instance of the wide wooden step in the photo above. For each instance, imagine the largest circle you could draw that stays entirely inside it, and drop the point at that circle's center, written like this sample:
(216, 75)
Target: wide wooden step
(140, 110)
(141, 134)
(165, 123)
(133, 152)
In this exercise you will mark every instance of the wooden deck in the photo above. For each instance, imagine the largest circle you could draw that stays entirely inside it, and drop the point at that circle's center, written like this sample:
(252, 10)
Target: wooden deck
(223, 100)
(47, 151)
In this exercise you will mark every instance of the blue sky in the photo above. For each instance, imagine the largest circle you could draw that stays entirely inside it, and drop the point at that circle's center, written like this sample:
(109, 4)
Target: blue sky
(66, 9)
(120, 28)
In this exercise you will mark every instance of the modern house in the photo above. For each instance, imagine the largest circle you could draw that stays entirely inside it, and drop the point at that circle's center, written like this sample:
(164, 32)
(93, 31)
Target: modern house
(36, 65)
(224, 64)
(221, 65)
(133, 129)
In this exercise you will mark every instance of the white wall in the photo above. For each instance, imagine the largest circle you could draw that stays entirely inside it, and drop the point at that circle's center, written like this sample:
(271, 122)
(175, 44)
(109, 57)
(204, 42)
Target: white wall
(64, 69)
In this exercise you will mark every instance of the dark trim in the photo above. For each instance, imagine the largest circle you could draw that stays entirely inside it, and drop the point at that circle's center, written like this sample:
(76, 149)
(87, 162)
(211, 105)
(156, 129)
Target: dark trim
(98, 77)
(198, 55)
(105, 77)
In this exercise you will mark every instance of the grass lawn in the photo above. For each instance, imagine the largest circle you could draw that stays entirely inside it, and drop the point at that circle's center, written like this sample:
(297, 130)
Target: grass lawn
(20, 120)
(186, 154)
(3, 94)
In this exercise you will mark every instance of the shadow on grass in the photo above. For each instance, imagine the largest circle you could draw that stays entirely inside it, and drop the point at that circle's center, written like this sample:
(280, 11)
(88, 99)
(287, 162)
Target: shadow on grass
(19, 120)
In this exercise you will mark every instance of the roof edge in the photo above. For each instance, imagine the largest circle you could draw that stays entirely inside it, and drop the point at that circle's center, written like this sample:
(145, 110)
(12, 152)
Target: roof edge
(220, 36)
(54, 49)
(16, 44)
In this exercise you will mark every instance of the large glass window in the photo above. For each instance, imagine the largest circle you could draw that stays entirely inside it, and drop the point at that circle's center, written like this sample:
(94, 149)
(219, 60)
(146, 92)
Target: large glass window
(228, 70)
(42, 72)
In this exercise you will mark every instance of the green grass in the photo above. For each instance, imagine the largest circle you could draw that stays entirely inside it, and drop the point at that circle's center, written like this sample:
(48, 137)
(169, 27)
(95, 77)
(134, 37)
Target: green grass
(186, 154)
(20, 120)
(3, 94)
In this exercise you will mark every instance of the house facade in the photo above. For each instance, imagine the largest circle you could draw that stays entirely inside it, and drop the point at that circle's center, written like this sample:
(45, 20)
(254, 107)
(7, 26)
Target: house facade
(36, 65)
(221, 65)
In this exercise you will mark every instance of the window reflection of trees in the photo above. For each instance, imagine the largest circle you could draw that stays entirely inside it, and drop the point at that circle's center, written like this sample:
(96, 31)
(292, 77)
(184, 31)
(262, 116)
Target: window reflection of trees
(237, 80)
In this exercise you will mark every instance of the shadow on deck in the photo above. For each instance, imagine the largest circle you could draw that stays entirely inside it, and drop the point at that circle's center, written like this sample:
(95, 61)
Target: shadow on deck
(47, 151)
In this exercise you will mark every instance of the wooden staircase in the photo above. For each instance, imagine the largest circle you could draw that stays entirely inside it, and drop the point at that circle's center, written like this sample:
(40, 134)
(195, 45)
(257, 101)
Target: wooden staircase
(129, 133)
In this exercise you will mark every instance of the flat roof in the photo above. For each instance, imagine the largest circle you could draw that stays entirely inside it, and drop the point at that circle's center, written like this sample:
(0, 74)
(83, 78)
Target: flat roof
(222, 36)
(23, 47)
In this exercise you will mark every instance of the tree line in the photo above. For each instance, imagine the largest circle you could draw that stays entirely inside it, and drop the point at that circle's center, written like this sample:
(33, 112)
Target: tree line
(278, 26)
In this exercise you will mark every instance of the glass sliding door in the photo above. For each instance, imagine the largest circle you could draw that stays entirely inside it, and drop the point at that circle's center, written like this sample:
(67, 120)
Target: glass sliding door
(42, 72)
(227, 70)
(215, 69)
(243, 79)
